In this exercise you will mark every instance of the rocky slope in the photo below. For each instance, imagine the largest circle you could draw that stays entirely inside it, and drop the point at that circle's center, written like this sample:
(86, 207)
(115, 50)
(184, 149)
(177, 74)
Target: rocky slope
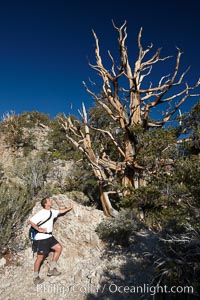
(90, 270)
(80, 262)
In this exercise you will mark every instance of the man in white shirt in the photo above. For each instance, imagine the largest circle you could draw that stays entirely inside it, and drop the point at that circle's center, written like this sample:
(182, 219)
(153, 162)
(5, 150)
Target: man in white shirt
(44, 240)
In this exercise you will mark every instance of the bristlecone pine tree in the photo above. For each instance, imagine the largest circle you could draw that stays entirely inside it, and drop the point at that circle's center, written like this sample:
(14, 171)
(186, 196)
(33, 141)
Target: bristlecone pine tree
(128, 100)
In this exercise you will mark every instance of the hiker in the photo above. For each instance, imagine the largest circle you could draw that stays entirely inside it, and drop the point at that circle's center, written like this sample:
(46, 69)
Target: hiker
(44, 240)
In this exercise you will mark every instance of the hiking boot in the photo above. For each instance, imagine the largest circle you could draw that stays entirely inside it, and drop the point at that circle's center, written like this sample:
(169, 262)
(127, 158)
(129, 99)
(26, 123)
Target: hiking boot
(37, 280)
(53, 272)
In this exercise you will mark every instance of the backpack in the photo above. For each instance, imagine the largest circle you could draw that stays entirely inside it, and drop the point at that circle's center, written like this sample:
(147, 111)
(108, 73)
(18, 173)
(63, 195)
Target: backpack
(32, 231)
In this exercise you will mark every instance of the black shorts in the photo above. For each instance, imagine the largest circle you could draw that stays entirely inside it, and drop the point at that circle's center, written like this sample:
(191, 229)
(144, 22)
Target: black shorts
(44, 246)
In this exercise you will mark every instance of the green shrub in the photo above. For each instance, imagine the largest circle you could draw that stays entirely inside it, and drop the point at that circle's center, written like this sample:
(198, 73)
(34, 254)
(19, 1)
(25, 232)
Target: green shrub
(177, 263)
(60, 147)
(33, 171)
(118, 230)
(15, 205)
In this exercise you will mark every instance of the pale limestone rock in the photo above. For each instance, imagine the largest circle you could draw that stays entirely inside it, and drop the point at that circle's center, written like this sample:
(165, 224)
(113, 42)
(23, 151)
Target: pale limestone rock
(2, 262)
(80, 259)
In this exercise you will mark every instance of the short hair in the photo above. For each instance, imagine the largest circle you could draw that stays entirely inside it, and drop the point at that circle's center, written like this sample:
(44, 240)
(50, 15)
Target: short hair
(44, 201)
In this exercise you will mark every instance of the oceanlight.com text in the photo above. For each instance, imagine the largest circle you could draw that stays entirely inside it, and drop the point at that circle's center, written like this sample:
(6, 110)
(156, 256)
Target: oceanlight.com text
(112, 289)
(150, 289)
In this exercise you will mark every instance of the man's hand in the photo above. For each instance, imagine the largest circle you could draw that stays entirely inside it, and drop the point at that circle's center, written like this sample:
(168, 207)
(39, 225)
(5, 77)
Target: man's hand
(66, 209)
(70, 206)
(42, 230)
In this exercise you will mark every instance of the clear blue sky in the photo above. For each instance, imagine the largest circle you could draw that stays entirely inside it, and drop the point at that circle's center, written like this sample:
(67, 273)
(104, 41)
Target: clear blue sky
(44, 45)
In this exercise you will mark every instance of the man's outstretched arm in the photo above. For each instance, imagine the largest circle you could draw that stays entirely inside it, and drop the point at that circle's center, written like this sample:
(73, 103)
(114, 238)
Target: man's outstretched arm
(66, 209)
